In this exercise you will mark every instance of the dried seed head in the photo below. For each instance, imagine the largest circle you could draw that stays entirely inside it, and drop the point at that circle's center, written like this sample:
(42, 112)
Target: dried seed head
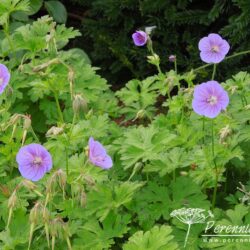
(79, 104)
(28, 184)
(224, 133)
(62, 178)
(12, 200)
(36, 213)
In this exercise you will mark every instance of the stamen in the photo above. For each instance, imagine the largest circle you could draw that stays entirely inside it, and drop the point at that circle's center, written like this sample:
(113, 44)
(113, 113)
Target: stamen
(215, 48)
(212, 100)
(37, 161)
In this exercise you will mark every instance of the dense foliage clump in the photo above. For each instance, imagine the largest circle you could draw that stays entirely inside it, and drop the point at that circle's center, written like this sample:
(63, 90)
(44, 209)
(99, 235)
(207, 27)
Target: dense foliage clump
(84, 167)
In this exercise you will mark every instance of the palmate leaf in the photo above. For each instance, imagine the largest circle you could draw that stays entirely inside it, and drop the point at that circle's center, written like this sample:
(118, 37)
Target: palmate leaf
(158, 238)
(144, 144)
(110, 198)
(138, 95)
(169, 161)
(151, 203)
(96, 235)
(155, 201)
(185, 192)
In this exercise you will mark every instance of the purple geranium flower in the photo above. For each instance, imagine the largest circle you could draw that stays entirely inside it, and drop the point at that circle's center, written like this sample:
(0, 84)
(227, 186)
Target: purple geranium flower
(209, 99)
(33, 161)
(213, 48)
(98, 155)
(140, 38)
(4, 77)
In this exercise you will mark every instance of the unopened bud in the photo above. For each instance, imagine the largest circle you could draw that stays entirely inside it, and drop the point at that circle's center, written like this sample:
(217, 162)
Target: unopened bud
(83, 199)
(183, 173)
(71, 76)
(26, 122)
(233, 89)
(79, 103)
(12, 200)
(140, 114)
(224, 133)
(11, 204)
(89, 180)
(154, 59)
(53, 131)
(14, 119)
(172, 58)
(149, 29)
(247, 107)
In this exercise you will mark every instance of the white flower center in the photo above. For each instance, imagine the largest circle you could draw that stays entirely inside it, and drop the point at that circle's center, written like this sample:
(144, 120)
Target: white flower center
(37, 160)
(215, 48)
(1, 80)
(212, 100)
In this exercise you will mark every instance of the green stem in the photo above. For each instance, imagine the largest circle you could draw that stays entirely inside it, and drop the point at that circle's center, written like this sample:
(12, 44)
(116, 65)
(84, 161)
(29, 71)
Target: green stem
(60, 114)
(226, 58)
(158, 68)
(67, 161)
(203, 128)
(175, 65)
(214, 71)
(216, 169)
(34, 134)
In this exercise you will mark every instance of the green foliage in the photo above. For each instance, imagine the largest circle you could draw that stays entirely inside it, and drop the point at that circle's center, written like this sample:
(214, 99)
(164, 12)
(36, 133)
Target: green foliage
(157, 238)
(108, 26)
(162, 151)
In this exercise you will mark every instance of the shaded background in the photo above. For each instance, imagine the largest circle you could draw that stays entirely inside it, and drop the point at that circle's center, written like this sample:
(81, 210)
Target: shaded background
(107, 26)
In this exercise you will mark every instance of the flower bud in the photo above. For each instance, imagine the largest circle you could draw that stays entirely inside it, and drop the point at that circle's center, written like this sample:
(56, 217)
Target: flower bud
(83, 199)
(26, 122)
(183, 173)
(12, 200)
(172, 58)
(140, 114)
(154, 59)
(224, 133)
(89, 180)
(149, 29)
(71, 76)
(79, 103)
(53, 131)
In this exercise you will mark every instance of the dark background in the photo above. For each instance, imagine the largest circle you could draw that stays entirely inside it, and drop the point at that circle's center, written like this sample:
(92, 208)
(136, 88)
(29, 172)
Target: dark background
(107, 26)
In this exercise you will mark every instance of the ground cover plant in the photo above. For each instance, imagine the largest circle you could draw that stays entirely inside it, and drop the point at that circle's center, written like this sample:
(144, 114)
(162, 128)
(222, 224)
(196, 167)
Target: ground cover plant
(145, 167)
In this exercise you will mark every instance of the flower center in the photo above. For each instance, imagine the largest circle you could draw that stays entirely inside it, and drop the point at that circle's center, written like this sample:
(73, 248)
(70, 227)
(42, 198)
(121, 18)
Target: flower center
(1, 80)
(37, 160)
(212, 100)
(215, 49)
